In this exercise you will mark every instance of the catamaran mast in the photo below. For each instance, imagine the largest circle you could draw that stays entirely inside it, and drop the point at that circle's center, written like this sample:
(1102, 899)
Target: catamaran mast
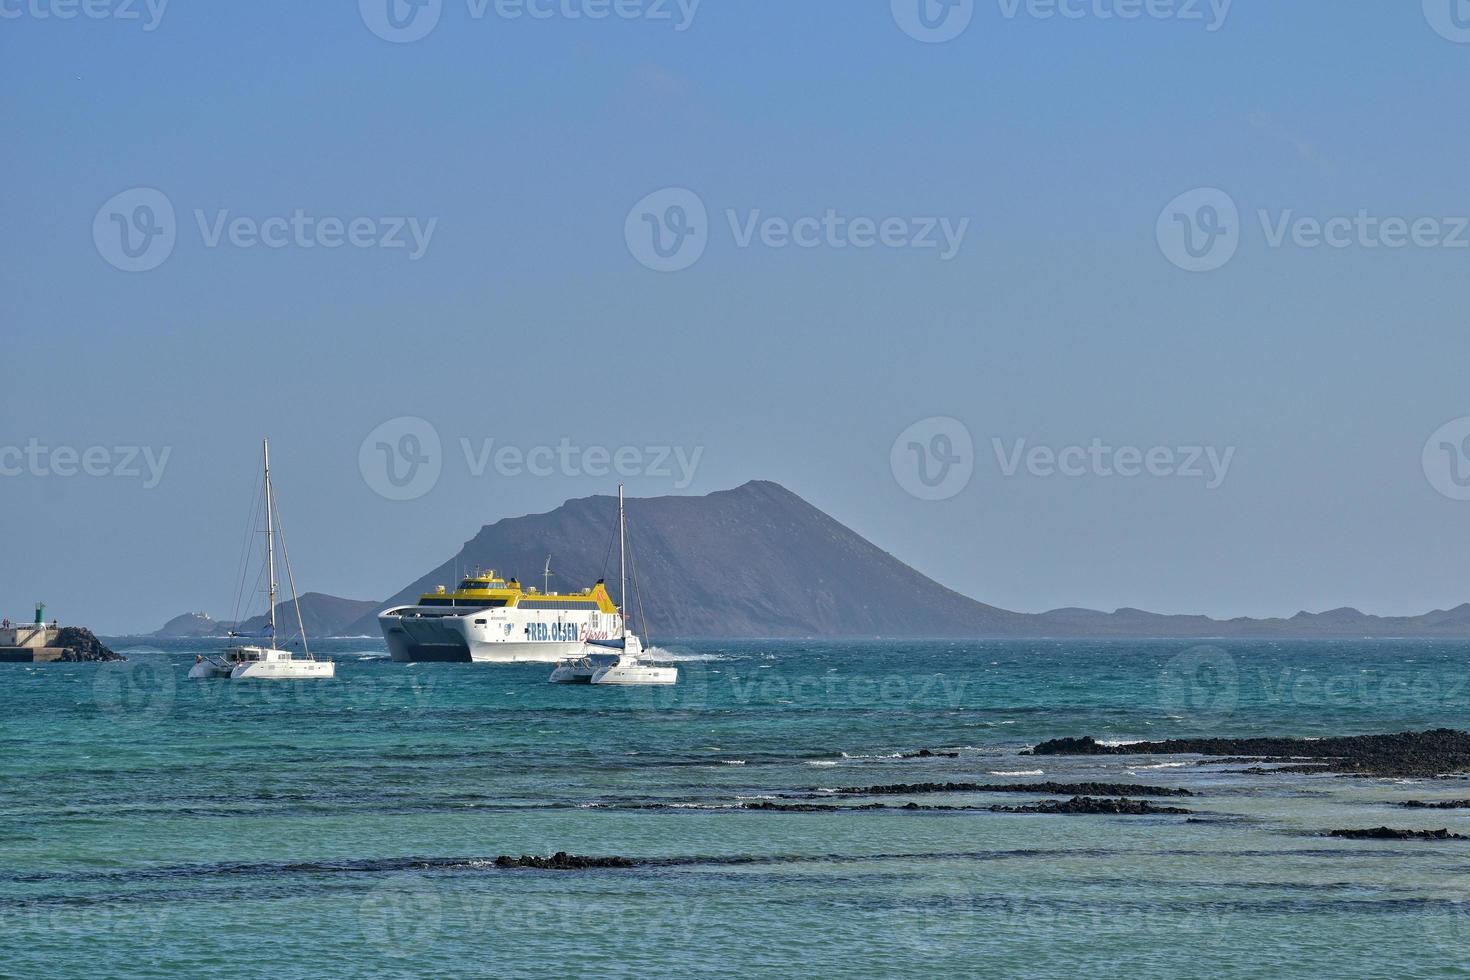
(622, 564)
(270, 536)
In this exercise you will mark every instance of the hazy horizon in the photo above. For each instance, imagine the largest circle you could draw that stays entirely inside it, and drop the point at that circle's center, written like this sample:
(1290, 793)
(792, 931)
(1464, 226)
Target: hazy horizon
(1158, 312)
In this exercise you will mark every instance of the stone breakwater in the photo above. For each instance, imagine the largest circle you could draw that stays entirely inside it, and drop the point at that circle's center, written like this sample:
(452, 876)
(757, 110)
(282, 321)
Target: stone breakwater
(1440, 752)
(1389, 833)
(562, 861)
(81, 644)
(1086, 805)
(1074, 789)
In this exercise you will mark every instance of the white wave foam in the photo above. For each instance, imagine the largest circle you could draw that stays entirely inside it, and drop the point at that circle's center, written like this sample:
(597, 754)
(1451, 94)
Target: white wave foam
(821, 762)
(1114, 743)
(673, 656)
(732, 762)
(1017, 772)
(1164, 765)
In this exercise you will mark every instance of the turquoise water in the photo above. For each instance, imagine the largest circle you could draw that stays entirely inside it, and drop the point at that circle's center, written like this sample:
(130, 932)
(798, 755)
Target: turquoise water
(157, 826)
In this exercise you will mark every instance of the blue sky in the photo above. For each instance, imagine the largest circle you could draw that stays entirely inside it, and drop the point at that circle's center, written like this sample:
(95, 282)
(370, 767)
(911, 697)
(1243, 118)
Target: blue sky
(519, 148)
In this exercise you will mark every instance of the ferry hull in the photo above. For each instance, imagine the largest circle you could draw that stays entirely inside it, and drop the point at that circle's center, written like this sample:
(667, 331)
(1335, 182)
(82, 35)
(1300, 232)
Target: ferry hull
(455, 639)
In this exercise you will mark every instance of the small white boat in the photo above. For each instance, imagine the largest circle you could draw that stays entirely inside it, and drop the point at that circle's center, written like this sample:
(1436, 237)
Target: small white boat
(628, 672)
(248, 662)
(265, 664)
(580, 670)
(615, 662)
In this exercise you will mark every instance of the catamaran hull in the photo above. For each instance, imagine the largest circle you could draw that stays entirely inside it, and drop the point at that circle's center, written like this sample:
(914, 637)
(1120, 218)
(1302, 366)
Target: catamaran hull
(290, 670)
(636, 675)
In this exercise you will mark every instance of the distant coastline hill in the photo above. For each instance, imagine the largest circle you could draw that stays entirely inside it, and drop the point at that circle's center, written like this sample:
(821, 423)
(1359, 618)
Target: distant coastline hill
(759, 561)
(323, 615)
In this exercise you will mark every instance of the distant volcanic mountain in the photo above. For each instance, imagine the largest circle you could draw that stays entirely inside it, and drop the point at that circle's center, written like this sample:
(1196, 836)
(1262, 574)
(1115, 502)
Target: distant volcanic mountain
(759, 561)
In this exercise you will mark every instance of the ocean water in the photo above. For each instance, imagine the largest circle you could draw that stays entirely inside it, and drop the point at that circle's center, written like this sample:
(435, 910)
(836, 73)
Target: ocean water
(156, 826)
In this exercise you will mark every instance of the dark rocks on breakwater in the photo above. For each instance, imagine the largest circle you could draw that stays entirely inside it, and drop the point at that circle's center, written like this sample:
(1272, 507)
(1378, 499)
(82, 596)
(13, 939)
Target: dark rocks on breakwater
(1389, 833)
(1089, 805)
(1076, 789)
(1436, 804)
(768, 806)
(562, 861)
(929, 754)
(81, 644)
(1422, 754)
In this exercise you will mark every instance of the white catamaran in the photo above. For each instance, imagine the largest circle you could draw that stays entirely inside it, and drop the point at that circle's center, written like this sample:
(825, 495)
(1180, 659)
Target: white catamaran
(248, 662)
(618, 661)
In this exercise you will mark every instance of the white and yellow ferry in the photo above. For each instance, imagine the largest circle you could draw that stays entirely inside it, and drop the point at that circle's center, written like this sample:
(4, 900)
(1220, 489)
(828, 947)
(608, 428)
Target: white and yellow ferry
(488, 619)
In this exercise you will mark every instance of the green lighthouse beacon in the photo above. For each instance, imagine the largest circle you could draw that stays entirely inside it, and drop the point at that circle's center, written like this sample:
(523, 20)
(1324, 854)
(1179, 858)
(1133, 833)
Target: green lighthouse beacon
(40, 614)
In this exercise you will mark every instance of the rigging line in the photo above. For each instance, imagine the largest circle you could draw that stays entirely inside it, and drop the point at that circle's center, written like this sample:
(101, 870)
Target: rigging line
(290, 578)
(245, 548)
(607, 556)
(638, 594)
(254, 590)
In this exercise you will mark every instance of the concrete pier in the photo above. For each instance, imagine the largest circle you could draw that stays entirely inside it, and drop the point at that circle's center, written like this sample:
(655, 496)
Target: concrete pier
(31, 643)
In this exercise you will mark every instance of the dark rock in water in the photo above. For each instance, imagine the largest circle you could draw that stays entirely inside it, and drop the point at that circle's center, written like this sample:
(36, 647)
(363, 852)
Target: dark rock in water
(562, 861)
(1089, 805)
(81, 645)
(929, 754)
(1436, 804)
(1076, 789)
(808, 807)
(1389, 833)
(850, 808)
(1423, 754)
